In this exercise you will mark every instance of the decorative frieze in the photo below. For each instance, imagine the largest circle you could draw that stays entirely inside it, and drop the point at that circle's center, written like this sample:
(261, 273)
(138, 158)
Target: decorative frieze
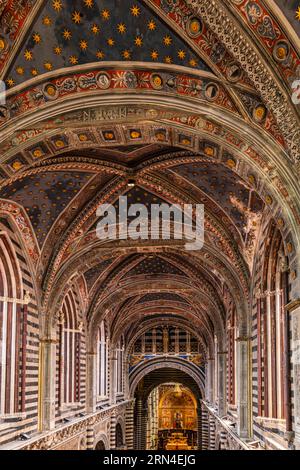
(80, 427)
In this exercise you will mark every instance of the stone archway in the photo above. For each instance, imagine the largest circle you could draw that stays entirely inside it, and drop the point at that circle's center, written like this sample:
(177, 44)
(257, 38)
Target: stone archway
(145, 383)
(119, 437)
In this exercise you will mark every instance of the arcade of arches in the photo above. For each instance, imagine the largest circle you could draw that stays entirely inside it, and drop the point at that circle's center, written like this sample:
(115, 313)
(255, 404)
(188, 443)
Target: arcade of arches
(143, 344)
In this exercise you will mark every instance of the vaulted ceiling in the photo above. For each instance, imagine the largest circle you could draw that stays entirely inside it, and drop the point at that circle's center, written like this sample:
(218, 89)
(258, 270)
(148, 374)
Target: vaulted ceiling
(191, 101)
(69, 32)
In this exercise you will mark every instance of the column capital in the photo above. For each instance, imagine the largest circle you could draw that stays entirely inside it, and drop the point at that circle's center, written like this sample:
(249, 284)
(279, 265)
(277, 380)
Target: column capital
(48, 341)
(245, 339)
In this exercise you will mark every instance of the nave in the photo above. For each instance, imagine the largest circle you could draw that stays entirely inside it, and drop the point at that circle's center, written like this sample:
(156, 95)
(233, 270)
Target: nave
(141, 343)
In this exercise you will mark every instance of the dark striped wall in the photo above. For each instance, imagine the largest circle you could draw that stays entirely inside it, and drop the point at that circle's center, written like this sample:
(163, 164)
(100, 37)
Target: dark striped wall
(13, 427)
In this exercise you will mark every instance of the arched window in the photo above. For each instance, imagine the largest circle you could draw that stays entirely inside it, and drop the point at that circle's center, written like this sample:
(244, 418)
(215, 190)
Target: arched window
(119, 437)
(271, 330)
(11, 308)
(100, 446)
(69, 351)
(102, 362)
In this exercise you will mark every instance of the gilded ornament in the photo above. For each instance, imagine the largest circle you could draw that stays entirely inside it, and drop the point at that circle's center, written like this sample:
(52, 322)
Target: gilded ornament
(156, 81)
(194, 27)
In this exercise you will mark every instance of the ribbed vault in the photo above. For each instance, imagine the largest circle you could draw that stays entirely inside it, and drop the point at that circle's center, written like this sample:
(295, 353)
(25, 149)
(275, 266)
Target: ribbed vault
(164, 102)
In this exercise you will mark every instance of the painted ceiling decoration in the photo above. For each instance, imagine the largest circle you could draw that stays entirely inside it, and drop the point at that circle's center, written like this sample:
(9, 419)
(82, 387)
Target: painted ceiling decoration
(154, 265)
(68, 33)
(153, 94)
(45, 197)
(232, 195)
(164, 102)
(161, 298)
(135, 195)
(93, 274)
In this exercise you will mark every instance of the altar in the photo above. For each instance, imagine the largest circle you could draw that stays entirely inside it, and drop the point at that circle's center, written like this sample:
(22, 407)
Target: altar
(177, 441)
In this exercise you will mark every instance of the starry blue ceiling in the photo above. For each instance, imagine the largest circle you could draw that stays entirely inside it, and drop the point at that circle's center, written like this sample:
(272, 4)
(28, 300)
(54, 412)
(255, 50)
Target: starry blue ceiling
(136, 195)
(154, 265)
(72, 32)
(225, 188)
(290, 9)
(163, 296)
(92, 274)
(45, 196)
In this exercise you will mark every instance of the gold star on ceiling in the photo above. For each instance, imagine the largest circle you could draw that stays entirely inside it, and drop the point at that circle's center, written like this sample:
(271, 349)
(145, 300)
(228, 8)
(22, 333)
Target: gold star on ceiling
(37, 38)
(89, 3)
(10, 82)
(105, 14)
(95, 29)
(28, 55)
(111, 42)
(154, 55)
(57, 5)
(76, 17)
(193, 63)
(138, 41)
(83, 45)
(151, 25)
(121, 28)
(168, 59)
(47, 21)
(34, 72)
(181, 54)
(57, 50)
(73, 60)
(167, 40)
(126, 54)
(100, 55)
(48, 65)
(298, 13)
(20, 70)
(135, 10)
(67, 34)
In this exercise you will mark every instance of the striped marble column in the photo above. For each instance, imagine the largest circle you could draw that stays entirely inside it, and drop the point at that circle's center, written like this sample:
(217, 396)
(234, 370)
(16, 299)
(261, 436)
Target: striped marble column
(205, 429)
(90, 437)
(199, 428)
(144, 428)
(130, 425)
(112, 439)
(212, 433)
(223, 439)
(138, 435)
(148, 434)
(222, 391)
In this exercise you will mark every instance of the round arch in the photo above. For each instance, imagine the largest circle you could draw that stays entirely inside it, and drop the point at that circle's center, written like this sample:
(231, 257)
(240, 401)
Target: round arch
(149, 378)
(194, 373)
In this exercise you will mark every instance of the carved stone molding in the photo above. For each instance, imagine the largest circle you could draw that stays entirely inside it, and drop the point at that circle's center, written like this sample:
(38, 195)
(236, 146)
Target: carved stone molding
(233, 38)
